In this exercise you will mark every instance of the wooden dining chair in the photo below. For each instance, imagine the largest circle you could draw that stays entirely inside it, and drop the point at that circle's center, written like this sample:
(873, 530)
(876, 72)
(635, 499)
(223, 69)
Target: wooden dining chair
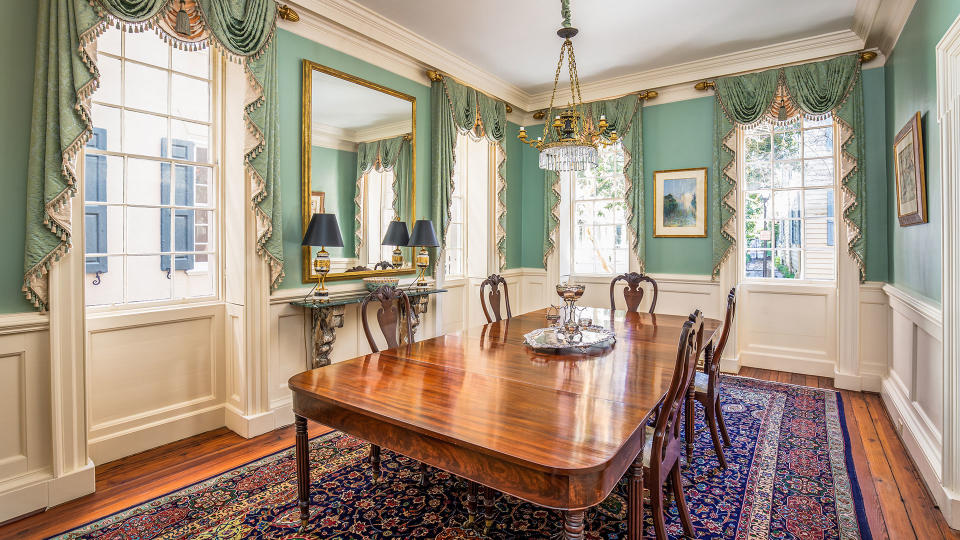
(659, 461)
(494, 281)
(633, 292)
(388, 318)
(706, 385)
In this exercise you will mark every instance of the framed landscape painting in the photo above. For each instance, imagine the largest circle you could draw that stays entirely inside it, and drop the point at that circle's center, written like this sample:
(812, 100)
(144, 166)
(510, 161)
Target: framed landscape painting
(911, 180)
(680, 203)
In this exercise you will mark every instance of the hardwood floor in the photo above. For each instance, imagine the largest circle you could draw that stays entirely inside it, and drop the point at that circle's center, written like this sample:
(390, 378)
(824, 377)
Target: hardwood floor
(896, 501)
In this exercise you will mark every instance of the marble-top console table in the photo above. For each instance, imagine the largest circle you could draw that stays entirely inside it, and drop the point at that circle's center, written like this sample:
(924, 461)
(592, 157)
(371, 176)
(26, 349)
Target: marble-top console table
(327, 316)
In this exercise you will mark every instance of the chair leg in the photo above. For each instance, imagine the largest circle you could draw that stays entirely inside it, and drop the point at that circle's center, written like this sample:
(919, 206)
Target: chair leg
(656, 508)
(723, 425)
(681, 501)
(711, 417)
(689, 423)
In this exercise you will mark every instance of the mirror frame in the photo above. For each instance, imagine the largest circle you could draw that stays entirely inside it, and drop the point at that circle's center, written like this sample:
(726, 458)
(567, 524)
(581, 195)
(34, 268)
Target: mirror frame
(305, 170)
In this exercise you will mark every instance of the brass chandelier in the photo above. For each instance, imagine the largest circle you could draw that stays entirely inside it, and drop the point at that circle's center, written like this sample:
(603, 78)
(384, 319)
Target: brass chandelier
(574, 143)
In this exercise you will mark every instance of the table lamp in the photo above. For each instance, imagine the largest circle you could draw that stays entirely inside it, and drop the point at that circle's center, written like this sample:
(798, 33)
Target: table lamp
(396, 236)
(322, 232)
(423, 236)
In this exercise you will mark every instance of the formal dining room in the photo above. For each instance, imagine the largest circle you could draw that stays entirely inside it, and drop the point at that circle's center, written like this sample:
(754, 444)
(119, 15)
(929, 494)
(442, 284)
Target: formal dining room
(461, 270)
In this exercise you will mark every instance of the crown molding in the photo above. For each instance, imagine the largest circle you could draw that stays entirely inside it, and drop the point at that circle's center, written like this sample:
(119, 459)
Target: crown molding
(383, 131)
(365, 22)
(358, 31)
(889, 18)
(787, 52)
(321, 30)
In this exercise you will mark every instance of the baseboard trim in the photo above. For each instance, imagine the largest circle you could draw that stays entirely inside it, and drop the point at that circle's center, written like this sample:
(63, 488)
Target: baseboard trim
(730, 365)
(250, 425)
(803, 366)
(117, 445)
(39, 490)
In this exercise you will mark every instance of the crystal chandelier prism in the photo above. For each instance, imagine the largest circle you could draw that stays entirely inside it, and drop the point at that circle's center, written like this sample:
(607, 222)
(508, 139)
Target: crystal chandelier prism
(573, 143)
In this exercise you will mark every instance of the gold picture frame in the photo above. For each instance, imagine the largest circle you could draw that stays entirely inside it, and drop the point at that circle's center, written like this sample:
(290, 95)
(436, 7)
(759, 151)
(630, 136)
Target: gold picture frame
(680, 203)
(306, 191)
(909, 169)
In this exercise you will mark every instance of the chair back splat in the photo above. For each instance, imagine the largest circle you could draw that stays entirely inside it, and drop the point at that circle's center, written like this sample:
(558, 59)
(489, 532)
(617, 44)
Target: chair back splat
(494, 281)
(394, 306)
(633, 292)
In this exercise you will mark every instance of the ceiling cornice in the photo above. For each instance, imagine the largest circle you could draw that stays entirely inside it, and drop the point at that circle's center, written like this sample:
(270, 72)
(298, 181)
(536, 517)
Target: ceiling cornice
(887, 23)
(788, 52)
(351, 28)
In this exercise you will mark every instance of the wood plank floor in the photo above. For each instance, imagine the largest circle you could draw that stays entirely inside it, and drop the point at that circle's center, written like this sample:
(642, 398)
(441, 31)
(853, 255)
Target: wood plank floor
(896, 501)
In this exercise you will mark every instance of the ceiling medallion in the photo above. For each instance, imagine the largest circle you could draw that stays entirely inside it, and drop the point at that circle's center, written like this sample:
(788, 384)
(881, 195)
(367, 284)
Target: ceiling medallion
(573, 144)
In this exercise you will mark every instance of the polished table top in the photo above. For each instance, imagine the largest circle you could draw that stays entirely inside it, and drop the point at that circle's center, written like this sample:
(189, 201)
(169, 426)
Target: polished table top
(483, 389)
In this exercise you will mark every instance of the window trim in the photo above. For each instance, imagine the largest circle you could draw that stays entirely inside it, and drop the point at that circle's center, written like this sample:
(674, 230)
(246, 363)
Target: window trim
(217, 200)
(567, 178)
(741, 220)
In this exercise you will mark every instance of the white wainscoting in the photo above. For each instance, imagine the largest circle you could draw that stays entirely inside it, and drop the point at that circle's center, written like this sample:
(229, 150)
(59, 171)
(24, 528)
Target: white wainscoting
(153, 377)
(26, 465)
(913, 387)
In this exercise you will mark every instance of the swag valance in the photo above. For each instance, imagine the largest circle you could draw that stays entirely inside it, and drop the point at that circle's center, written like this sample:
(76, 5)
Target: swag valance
(393, 154)
(625, 116)
(458, 108)
(778, 95)
(67, 76)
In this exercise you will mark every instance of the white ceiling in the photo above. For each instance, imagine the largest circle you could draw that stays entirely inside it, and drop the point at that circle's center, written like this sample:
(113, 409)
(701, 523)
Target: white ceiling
(516, 40)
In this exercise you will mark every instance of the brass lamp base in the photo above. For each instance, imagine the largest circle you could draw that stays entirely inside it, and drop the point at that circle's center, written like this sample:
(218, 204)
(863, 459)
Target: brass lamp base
(423, 262)
(322, 266)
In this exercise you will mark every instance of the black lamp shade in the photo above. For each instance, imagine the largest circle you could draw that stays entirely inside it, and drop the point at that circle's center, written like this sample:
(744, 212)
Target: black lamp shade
(423, 234)
(397, 234)
(323, 231)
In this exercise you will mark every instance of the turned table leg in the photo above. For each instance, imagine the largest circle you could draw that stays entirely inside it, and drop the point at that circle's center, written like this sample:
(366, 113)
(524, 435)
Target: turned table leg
(303, 471)
(471, 504)
(488, 510)
(375, 463)
(573, 524)
(635, 500)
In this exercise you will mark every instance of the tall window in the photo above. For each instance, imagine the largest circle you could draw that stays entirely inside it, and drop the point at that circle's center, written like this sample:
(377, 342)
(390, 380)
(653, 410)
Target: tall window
(150, 174)
(788, 200)
(469, 233)
(597, 243)
(379, 214)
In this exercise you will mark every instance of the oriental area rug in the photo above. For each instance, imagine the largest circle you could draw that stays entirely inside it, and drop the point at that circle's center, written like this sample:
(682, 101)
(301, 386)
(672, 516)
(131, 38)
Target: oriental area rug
(790, 475)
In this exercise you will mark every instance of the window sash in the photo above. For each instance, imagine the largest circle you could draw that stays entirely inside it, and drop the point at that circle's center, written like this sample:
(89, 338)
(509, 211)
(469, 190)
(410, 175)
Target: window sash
(207, 249)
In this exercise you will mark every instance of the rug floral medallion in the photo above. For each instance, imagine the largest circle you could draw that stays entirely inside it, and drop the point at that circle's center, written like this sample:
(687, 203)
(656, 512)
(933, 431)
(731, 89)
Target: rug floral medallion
(790, 475)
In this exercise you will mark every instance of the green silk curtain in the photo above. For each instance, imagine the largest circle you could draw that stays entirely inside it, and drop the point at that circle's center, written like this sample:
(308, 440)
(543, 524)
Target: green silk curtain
(454, 108)
(66, 77)
(625, 116)
(392, 154)
(816, 89)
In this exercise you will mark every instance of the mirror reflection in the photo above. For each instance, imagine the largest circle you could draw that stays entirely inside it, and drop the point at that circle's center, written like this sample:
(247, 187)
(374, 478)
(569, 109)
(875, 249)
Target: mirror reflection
(358, 164)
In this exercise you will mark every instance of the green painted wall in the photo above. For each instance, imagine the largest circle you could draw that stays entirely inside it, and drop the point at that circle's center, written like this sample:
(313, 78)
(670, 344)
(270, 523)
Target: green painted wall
(291, 51)
(333, 172)
(911, 86)
(533, 201)
(676, 135)
(514, 197)
(877, 216)
(17, 37)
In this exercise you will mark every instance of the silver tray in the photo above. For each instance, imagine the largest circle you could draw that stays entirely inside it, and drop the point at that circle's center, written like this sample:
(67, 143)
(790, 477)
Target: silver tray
(548, 339)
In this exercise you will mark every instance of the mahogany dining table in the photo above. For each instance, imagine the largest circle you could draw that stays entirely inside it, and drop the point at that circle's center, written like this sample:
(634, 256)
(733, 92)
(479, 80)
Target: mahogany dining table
(557, 430)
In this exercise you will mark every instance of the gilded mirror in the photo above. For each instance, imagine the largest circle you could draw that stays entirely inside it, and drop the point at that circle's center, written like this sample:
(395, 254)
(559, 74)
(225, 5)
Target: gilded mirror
(359, 163)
